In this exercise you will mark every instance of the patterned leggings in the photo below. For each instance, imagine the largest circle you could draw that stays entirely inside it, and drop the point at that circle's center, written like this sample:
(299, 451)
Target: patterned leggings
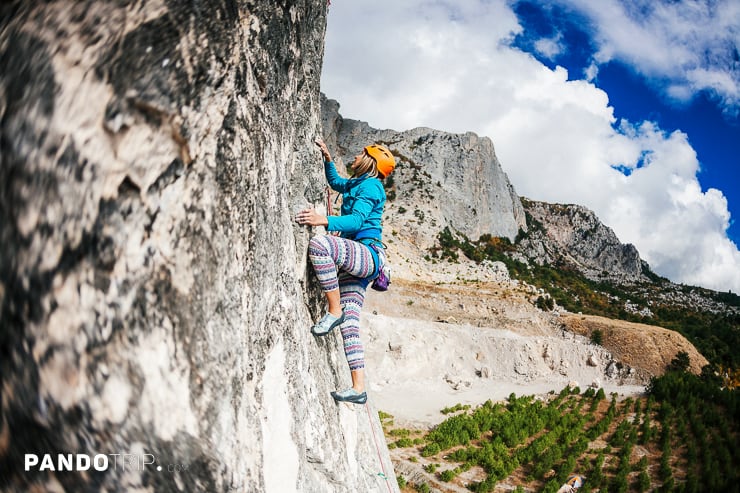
(341, 263)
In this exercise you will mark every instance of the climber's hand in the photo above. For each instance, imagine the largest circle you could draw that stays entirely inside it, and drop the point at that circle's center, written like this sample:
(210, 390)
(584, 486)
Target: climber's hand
(324, 150)
(311, 217)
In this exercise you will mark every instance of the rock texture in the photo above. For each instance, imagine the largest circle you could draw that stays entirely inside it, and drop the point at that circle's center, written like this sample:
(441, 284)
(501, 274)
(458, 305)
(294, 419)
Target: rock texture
(441, 179)
(154, 289)
(571, 235)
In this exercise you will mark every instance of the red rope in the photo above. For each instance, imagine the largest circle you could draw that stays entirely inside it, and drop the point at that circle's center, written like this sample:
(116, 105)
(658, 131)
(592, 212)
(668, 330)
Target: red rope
(382, 466)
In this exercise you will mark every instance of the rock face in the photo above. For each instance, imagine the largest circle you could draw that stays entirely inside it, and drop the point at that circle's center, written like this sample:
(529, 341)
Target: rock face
(441, 179)
(155, 292)
(573, 235)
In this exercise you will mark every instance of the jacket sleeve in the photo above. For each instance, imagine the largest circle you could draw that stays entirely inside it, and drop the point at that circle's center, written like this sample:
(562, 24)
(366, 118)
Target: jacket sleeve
(336, 182)
(370, 194)
(351, 223)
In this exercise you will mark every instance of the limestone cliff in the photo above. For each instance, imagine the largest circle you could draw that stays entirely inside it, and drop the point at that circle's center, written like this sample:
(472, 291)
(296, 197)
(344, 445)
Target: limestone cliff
(573, 236)
(441, 179)
(154, 290)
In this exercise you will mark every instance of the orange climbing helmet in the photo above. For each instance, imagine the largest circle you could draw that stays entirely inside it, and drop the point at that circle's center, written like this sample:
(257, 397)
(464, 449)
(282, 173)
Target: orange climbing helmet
(383, 157)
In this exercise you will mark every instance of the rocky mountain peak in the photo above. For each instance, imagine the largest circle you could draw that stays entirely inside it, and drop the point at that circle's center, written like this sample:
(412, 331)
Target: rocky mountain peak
(441, 179)
(568, 234)
(446, 180)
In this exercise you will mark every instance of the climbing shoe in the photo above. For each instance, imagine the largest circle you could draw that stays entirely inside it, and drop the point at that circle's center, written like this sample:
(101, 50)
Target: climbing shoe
(327, 324)
(350, 395)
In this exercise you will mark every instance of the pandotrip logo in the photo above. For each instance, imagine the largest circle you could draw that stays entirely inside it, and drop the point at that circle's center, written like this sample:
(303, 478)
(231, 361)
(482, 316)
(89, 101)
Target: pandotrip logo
(98, 462)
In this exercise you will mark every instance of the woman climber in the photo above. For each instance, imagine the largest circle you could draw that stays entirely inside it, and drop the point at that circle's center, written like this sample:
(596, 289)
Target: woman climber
(347, 263)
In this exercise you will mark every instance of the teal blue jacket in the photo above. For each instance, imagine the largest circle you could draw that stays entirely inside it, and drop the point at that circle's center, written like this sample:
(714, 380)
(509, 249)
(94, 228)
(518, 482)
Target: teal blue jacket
(363, 199)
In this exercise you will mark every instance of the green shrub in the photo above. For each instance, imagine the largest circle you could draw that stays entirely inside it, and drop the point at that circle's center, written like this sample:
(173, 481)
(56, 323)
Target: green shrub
(643, 481)
(545, 303)
(431, 449)
(597, 337)
(447, 475)
(422, 488)
(455, 408)
(680, 362)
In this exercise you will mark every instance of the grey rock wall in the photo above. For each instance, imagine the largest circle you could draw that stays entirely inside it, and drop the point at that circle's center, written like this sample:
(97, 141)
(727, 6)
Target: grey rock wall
(154, 290)
(442, 179)
(573, 235)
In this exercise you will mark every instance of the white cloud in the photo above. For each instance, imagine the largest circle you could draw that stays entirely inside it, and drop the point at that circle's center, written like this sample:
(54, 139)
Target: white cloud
(591, 71)
(688, 45)
(678, 228)
(549, 48)
(438, 64)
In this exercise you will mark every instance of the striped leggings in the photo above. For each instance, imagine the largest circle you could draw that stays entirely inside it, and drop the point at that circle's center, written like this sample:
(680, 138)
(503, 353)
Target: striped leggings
(341, 263)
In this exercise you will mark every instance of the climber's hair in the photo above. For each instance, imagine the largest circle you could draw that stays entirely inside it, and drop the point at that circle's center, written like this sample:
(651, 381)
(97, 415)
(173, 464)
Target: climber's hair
(367, 165)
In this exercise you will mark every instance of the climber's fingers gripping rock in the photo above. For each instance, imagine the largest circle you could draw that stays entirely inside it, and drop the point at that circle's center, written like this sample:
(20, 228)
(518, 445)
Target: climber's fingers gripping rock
(324, 150)
(311, 217)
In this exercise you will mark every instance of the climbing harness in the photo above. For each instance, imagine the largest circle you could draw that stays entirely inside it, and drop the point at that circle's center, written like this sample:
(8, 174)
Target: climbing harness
(383, 474)
(381, 275)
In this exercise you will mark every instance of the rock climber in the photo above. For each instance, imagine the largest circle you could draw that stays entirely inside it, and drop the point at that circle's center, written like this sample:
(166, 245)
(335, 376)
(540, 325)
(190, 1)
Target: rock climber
(347, 263)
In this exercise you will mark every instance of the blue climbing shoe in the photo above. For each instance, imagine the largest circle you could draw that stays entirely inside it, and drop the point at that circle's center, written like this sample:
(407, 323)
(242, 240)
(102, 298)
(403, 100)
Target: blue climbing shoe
(327, 324)
(350, 395)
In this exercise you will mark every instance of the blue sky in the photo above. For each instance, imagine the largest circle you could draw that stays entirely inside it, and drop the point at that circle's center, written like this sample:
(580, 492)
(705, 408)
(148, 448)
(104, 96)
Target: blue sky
(712, 126)
(628, 107)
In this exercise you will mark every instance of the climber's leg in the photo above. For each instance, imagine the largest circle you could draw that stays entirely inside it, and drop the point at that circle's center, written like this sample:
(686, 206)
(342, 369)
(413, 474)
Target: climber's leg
(335, 306)
(352, 292)
(342, 266)
(358, 380)
(330, 255)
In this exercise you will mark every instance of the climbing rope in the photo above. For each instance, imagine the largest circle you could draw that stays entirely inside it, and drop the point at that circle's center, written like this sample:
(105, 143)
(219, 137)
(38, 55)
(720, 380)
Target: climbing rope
(383, 474)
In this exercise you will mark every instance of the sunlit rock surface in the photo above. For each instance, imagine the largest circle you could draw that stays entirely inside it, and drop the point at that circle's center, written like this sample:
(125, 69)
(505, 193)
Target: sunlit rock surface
(155, 294)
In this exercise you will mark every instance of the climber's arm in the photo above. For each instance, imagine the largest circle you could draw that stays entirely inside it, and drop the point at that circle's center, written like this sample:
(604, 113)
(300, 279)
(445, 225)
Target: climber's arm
(351, 223)
(335, 181)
